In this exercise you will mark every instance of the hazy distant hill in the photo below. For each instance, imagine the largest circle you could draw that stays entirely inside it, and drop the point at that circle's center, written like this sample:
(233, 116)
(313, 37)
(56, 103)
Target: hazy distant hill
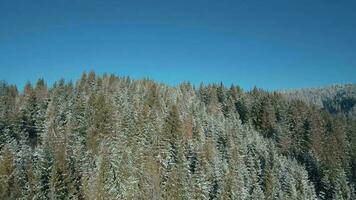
(337, 99)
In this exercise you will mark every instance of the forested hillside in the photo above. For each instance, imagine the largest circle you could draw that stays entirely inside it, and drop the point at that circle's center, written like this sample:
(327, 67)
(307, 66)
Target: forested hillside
(109, 137)
(337, 99)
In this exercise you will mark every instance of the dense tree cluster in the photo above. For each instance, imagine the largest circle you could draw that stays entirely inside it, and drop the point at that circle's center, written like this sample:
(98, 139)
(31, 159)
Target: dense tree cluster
(108, 137)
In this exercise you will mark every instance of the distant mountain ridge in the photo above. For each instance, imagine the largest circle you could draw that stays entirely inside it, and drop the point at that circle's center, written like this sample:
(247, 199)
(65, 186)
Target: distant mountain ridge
(336, 99)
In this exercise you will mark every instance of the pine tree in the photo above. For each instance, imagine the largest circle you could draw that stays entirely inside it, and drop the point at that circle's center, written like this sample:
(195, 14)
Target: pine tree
(6, 172)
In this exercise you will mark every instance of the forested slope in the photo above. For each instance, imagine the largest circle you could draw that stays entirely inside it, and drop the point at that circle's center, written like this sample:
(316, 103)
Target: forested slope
(337, 99)
(108, 137)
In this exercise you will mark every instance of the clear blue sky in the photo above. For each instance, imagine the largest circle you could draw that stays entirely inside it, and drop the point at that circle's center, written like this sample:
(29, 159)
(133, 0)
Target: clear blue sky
(270, 44)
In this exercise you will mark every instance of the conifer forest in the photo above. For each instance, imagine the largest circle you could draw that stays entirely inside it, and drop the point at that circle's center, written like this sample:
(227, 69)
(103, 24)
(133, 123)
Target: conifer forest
(108, 137)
